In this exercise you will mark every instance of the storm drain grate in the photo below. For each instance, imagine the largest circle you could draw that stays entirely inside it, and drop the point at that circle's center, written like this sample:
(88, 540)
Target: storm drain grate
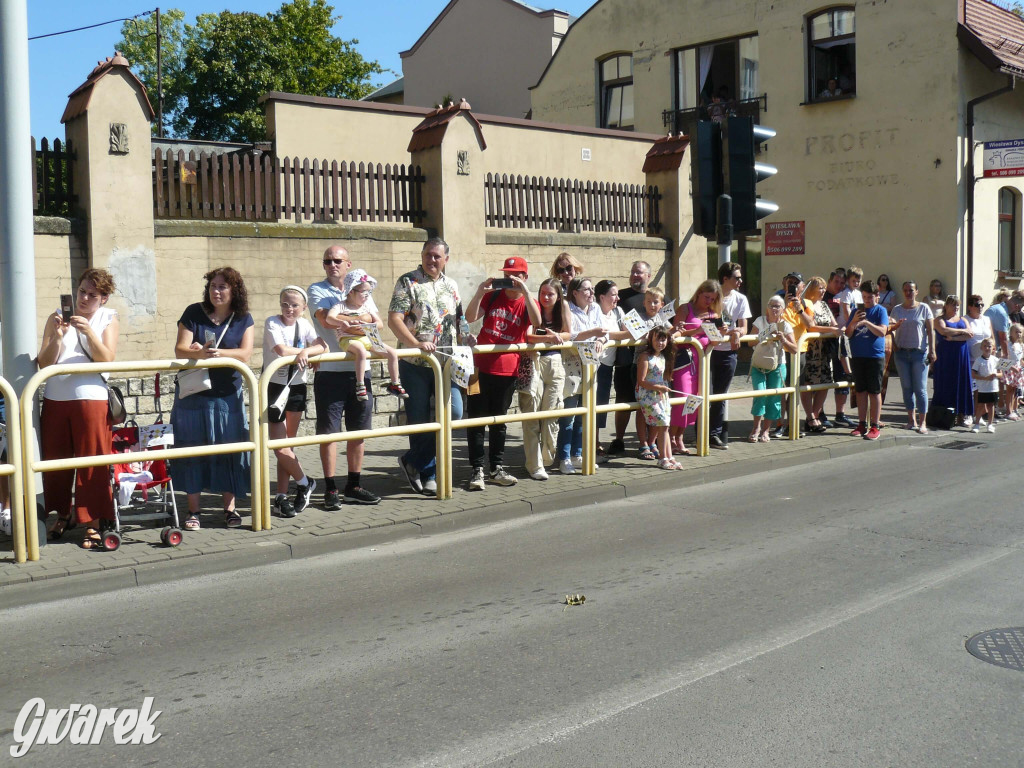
(1002, 647)
(961, 445)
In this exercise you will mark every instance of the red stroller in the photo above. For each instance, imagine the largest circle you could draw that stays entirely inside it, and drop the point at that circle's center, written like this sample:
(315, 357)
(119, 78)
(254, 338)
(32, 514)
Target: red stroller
(134, 481)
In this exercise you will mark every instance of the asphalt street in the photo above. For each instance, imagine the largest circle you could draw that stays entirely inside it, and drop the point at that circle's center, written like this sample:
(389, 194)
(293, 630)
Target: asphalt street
(809, 616)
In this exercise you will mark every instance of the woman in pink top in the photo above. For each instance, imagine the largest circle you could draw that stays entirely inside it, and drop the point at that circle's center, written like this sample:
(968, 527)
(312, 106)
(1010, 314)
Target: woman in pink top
(705, 304)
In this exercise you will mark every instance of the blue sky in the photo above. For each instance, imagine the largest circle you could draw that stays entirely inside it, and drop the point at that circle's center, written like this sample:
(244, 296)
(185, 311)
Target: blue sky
(58, 65)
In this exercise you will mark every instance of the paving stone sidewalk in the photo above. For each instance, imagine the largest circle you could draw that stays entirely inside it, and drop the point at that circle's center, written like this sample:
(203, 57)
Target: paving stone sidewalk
(142, 559)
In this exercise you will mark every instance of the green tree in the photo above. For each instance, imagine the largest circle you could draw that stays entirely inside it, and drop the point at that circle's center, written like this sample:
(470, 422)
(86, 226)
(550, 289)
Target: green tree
(229, 60)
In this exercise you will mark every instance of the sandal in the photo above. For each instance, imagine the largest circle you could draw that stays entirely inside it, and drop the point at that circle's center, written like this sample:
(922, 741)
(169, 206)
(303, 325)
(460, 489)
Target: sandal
(646, 453)
(62, 524)
(361, 395)
(682, 450)
(765, 437)
(667, 464)
(192, 524)
(753, 437)
(654, 450)
(232, 519)
(394, 388)
(92, 540)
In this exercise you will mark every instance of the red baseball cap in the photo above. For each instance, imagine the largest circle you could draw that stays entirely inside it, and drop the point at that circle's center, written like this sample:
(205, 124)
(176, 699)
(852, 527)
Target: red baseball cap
(516, 264)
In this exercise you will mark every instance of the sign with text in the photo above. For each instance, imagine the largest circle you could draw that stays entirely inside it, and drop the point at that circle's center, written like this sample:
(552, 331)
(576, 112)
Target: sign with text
(784, 238)
(1003, 158)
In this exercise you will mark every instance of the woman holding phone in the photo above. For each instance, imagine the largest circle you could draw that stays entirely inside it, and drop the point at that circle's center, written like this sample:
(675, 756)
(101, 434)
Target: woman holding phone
(73, 421)
(218, 326)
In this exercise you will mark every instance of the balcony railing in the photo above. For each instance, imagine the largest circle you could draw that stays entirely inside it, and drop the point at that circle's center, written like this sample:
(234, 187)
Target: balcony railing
(685, 120)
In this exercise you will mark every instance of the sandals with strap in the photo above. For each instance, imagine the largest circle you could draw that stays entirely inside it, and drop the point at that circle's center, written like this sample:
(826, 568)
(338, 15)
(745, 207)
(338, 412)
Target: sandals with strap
(646, 453)
(192, 523)
(63, 524)
(361, 395)
(93, 539)
(232, 519)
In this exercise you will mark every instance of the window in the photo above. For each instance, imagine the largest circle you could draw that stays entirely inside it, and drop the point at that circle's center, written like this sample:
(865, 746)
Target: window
(1009, 230)
(713, 77)
(831, 63)
(617, 92)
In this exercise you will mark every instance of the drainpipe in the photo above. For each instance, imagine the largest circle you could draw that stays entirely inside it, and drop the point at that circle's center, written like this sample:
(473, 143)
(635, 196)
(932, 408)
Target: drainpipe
(971, 181)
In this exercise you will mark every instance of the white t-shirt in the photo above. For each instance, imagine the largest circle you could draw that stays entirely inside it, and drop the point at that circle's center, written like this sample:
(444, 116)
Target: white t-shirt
(845, 298)
(611, 322)
(79, 386)
(275, 332)
(735, 307)
(982, 329)
(986, 367)
(323, 295)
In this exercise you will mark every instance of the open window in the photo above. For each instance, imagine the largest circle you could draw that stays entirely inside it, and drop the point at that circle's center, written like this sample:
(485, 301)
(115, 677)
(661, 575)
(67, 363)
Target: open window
(616, 75)
(831, 55)
(1009, 230)
(714, 80)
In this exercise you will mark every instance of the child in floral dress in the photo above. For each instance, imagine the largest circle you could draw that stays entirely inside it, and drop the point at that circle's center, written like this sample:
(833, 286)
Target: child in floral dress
(652, 391)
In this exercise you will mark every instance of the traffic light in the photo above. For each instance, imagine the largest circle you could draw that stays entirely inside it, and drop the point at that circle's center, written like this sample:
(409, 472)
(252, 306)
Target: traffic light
(741, 171)
(706, 172)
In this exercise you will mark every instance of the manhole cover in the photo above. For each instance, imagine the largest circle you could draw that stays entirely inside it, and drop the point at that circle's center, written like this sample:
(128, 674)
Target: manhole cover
(961, 445)
(1002, 647)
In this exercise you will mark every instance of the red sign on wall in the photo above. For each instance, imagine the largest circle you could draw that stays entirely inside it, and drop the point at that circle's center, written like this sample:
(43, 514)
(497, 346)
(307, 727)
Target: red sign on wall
(784, 238)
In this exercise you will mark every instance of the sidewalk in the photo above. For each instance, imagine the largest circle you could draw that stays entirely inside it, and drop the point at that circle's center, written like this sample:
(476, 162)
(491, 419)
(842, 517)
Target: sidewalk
(142, 559)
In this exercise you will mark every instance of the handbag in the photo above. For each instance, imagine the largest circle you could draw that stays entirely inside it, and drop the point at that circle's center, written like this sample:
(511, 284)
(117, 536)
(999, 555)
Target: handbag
(116, 412)
(196, 380)
(767, 356)
(524, 372)
(276, 409)
(939, 417)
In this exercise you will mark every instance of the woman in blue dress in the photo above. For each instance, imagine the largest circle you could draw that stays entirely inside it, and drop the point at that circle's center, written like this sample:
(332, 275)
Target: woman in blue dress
(219, 326)
(952, 368)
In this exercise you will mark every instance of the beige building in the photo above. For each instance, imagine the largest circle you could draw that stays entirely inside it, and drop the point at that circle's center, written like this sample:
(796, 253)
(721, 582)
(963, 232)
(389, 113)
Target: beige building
(486, 51)
(881, 108)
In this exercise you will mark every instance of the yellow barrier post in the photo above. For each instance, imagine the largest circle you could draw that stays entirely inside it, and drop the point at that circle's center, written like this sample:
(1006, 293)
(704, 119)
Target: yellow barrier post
(21, 519)
(30, 466)
(794, 400)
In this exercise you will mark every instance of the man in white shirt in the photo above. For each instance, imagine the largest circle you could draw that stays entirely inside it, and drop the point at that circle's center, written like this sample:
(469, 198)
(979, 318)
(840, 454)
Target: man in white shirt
(847, 299)
(735, 313)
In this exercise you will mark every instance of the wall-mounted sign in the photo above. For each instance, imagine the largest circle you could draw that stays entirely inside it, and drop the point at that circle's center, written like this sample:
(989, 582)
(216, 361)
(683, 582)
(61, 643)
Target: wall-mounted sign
(784, 238)
(585, 154)
(1003, 158)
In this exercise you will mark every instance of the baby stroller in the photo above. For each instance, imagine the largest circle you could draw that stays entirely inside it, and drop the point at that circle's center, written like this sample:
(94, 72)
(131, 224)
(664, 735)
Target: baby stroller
(134, 481)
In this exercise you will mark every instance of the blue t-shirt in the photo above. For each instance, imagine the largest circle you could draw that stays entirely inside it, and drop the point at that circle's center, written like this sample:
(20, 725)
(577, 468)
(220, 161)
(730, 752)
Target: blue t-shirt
(1000, 318)
(196, 320)
(864, 343)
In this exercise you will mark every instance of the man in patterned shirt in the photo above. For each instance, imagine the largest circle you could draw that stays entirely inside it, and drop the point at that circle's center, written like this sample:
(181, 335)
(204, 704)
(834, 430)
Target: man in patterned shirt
(424, 314)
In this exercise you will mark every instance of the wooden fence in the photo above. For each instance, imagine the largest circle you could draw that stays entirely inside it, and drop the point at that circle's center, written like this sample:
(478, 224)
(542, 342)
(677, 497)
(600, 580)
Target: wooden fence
(52, 178)
(259, 187)
(570, 205)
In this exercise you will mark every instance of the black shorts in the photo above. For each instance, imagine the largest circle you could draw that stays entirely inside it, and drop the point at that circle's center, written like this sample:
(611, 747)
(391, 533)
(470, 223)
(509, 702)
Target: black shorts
(624, 379)
(988, 397)
(334, 393)
(867, 374)
(296, 402)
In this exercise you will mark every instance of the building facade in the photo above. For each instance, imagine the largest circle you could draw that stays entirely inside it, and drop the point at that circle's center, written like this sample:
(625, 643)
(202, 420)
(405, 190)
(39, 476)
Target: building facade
(882, 111)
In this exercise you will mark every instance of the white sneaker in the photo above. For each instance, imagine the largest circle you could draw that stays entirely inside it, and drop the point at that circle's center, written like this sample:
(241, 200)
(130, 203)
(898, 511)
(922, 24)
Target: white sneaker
(968, 421)
(981, 422)
(991, 428)
(577, 461)
(501, 477)
(566, 467)
(477, 483)
(540, 474)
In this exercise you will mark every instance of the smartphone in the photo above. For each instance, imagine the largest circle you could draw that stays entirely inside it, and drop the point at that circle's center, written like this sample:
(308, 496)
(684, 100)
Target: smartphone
(502, 283)
(541, 331)
(861, 307)
(67, 307)
(791, 289)
(209, 337)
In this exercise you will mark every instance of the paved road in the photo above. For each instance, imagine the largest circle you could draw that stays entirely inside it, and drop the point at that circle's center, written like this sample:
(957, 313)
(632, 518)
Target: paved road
(814, 616)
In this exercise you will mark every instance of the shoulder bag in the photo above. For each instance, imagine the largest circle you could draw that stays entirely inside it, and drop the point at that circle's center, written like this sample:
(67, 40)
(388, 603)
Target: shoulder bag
(767, 356)
(195, 380)
(116, 412)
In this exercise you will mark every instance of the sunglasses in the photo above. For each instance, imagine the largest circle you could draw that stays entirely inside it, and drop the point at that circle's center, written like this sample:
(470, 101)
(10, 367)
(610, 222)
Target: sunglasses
(333, 261)
(979, 304)
(565, 270)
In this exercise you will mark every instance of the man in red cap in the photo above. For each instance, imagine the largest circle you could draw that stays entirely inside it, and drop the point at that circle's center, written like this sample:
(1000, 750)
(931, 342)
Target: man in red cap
(507, 311)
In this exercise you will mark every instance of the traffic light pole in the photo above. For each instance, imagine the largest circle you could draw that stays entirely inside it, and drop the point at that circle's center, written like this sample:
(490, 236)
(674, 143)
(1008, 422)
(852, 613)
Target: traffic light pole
(724, 229)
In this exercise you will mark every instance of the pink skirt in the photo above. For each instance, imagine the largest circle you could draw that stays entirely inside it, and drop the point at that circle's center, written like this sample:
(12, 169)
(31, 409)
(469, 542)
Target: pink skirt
(684, 380)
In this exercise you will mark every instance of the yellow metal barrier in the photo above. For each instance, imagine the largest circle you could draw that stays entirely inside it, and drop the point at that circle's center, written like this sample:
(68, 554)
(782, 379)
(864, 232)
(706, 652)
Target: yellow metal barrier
(442, 406)
(22, 516)
(30, 466)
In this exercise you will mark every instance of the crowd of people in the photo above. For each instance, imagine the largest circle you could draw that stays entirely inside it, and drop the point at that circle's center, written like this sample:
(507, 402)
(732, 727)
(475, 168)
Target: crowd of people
(859, 326)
